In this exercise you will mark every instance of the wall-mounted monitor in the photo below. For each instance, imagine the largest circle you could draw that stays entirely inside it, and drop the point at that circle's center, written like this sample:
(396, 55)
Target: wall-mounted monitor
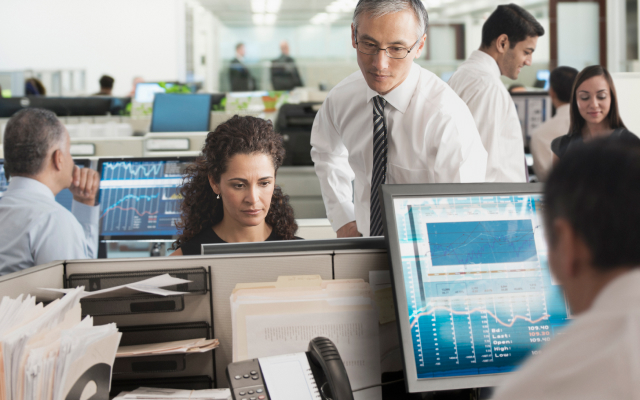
(471, 281)
(140, 197)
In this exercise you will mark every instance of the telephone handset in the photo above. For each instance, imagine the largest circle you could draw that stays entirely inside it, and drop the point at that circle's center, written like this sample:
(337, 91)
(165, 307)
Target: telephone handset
(318, 374)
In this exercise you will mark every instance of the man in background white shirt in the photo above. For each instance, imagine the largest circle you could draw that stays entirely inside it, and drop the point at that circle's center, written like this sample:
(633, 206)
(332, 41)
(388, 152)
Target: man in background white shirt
(390, 122)
(560, 84)
(591, 220)
(509, 38)
(35, 229)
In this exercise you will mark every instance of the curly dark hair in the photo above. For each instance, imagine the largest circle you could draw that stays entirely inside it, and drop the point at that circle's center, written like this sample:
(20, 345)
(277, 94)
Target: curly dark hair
(239, 135)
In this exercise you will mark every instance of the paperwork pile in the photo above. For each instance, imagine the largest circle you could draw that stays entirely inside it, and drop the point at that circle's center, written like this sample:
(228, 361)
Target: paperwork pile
(151, 285)
(175, 394)
(45, 351)
(275, 318)
(190, 346)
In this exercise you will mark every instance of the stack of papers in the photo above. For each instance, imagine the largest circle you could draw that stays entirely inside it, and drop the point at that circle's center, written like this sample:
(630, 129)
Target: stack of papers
(276, 318)
(175, 394)
(178, 347)
(44, 351)
(151, 285)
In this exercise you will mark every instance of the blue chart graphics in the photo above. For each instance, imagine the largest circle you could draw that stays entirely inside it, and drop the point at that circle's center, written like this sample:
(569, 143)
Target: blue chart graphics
(3, 180)
(140, 198)
(478, 289)
(481, 242)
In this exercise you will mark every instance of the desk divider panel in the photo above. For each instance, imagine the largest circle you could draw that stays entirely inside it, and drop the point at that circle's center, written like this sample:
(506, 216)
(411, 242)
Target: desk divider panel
(225, 272)
(354, 264)
(30, 280)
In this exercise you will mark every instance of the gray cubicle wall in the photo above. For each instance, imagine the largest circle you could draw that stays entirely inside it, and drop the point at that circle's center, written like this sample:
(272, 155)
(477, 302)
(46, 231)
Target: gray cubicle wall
(226, 272)
(33, 280)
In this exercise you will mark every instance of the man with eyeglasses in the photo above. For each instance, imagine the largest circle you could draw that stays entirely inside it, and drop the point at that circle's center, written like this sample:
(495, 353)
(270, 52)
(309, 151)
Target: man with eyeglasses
(509, 38)
(390, 122)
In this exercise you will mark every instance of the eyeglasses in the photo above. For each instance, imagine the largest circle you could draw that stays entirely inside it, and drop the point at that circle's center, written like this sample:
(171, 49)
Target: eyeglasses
(395, 52)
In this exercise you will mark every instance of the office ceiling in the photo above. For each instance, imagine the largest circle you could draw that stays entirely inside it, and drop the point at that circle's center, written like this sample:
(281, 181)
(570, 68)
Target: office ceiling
(300, 12)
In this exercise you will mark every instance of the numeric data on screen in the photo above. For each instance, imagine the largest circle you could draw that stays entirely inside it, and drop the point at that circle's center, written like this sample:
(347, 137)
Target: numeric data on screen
(140, 198)
(479, 292)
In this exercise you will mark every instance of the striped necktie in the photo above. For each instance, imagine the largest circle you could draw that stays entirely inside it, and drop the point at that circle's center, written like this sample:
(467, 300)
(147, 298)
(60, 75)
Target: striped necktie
(379, 174)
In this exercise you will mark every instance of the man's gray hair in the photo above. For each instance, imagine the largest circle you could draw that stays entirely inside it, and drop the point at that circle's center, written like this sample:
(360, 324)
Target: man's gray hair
(378, 8)
(28, 137)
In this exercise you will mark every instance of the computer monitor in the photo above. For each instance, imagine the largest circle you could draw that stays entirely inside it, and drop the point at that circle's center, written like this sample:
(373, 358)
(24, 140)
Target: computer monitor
(181, 113)
(543, 75)
(146, 91)
(3, 180)
(287, 246)
(533, 108)
(474, 295)
(65, 197)
(140, 197)
(65, 106)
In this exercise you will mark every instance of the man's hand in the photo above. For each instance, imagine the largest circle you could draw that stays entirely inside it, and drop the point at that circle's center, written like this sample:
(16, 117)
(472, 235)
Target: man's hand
(349, 230)
(85, 185)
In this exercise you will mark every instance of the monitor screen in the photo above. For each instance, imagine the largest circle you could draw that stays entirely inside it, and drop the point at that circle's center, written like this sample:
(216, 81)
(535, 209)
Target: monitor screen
(65, 197)
(3, 180)
(543, 75)
(146, 91)
(181, 113)
(471, 280)
(140, 198)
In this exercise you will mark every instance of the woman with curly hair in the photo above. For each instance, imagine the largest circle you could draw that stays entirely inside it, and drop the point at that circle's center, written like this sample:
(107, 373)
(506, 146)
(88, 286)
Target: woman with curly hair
(230, 193)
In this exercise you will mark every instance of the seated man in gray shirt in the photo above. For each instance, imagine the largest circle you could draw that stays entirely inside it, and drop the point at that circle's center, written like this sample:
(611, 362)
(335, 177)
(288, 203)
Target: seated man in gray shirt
(34, 229)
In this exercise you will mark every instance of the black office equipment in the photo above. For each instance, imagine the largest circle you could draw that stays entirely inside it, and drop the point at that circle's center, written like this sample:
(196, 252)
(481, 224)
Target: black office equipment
(284, 246)
(66, 106)
(294, 123)
(318, 372)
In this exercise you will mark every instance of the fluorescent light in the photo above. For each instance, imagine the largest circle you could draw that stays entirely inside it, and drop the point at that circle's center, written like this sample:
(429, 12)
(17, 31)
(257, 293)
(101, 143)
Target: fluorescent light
(258, 19)
(258, 6)
(273, 6)
(264, 19)
(324, 18)
(342, 6)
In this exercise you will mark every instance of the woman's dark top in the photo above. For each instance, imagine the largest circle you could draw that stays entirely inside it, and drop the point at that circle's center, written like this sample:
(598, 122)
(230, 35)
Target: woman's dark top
(562, 144)
(208, 236)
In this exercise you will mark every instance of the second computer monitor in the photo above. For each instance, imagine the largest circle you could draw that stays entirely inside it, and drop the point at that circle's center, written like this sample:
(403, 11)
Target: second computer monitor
(181, 113)
(472, 285)
(140, 197)
(3, 179)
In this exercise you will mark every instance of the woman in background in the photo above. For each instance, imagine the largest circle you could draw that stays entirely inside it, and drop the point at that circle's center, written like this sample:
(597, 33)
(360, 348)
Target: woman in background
(594, 112)
(229, 192)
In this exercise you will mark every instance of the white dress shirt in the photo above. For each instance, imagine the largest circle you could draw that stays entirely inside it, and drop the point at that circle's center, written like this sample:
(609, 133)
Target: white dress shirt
(596, 357)
(477, 82)
(431, 139)
(542, 137)
(35, 229)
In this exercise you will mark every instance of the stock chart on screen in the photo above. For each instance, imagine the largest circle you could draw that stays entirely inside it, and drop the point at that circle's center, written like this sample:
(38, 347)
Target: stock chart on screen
(480, 295)
(140, 198)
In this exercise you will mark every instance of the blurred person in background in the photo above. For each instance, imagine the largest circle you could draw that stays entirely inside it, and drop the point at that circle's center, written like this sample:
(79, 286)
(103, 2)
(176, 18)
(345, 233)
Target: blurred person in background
(284, 73)
(560, 83)
(509, 38)
(136, 80)
(390, 122)
(594, 112)
(106, 86)
(241, 79)
(33, 87)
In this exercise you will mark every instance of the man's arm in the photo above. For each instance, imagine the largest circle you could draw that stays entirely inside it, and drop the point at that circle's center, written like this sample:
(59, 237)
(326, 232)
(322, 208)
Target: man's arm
(85, 187)
(330, 158)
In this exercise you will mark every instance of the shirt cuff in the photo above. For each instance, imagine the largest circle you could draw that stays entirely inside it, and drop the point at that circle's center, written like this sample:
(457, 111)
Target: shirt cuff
(342, 214)
(85, 214)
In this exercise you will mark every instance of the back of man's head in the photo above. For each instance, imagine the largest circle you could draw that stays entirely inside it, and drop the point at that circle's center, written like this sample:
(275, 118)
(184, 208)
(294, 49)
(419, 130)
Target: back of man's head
(28, 137)
(596, 189)
(513, 21)
(106, 82)
(561, 81)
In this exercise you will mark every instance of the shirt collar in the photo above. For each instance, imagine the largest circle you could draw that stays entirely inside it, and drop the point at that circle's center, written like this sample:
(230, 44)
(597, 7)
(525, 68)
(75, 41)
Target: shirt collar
(31, 185)
(486, 61)
(400, 97)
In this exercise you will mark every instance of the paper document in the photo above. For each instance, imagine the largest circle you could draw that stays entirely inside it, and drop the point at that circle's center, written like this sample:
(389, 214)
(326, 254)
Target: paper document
(181, 346)
(151, 285)
(289, 377)
(282, 319)
(162, 394)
